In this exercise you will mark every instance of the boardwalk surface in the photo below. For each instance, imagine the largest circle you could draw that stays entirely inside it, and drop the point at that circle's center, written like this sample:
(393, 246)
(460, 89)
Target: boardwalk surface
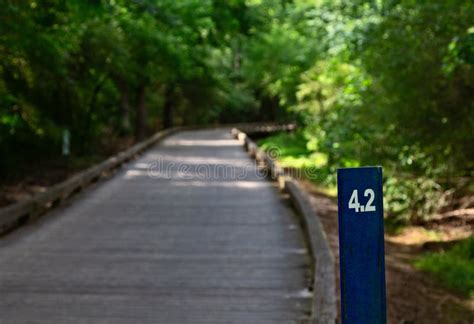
(181, 235)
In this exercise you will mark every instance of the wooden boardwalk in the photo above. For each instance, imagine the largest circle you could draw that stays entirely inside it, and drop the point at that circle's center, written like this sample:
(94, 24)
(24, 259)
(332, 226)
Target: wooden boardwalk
(188, 233)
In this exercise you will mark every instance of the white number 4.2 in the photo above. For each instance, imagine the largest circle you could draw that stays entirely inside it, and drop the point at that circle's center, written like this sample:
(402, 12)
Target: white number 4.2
(354, 201)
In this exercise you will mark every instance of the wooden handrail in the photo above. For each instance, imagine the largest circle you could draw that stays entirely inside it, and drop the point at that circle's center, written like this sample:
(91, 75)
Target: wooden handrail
(324, 306)
(31, 208)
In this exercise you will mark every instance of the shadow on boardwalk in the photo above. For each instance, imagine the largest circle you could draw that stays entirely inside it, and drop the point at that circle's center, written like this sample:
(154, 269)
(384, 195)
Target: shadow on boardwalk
(141, 248)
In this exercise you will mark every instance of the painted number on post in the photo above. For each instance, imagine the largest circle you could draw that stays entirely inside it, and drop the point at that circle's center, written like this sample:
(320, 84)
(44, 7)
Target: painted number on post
(354, 201)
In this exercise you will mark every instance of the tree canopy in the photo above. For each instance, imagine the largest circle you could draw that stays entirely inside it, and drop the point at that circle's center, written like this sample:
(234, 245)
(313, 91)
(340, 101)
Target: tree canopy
(386, 82)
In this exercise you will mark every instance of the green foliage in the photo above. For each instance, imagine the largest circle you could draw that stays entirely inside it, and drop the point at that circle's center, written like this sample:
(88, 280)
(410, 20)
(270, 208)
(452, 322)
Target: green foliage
(105, 68)
(379, 83)
(411, 199)
(372, 83)
(406, 198)
(454, 267)
(288, 144)
(294, 151)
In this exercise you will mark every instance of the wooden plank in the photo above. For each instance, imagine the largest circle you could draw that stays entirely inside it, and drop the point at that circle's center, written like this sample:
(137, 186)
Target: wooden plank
(177, 249)
(32, 208)
(324, 306)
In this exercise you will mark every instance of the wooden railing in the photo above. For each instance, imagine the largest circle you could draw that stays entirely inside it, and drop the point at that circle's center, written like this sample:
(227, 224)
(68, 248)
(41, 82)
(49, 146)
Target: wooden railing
(30, 209)
(324, 307)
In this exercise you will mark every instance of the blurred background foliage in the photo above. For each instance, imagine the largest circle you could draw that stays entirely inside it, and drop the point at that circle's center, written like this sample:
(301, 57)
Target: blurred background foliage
(386, 82)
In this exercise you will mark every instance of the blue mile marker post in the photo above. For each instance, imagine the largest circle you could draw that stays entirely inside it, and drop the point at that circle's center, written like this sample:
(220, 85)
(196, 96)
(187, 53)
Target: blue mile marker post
(361, 245)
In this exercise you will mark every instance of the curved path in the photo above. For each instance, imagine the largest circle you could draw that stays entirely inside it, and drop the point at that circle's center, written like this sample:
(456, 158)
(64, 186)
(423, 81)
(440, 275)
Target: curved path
(188, 233)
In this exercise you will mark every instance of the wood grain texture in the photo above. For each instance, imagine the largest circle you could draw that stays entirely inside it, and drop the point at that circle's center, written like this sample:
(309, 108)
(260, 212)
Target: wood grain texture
(323, 281)
(164, 249)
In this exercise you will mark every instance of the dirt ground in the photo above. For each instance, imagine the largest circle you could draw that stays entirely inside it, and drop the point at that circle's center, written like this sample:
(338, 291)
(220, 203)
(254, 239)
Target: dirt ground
(412, 296)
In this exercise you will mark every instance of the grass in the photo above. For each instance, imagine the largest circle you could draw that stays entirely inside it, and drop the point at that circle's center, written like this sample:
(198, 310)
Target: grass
(287, 145)
(292, 151)
(455, 267)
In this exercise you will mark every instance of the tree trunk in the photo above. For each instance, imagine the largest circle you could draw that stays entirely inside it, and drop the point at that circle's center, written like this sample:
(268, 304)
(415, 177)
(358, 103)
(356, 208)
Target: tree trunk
(124, 123)
(269, 108)
(140, 118)
(87, 126)
(168, 107)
